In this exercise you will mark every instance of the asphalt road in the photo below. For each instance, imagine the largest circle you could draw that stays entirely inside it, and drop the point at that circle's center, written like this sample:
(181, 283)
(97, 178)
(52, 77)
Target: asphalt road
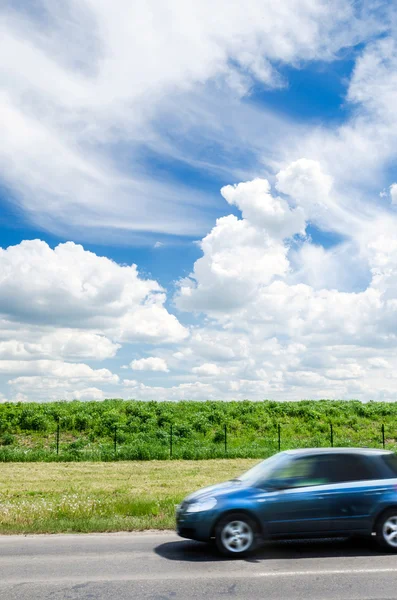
(155, 566)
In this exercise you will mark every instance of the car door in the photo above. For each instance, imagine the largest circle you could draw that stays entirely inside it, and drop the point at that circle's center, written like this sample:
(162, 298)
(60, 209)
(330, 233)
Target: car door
(302, 507)
(357, 489)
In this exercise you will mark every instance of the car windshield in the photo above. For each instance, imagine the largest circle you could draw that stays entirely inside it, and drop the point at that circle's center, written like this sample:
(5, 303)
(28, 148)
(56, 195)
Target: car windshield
(263, 471)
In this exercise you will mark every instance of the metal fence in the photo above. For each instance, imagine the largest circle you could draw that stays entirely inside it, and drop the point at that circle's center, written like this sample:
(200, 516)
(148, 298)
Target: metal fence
(114, 447)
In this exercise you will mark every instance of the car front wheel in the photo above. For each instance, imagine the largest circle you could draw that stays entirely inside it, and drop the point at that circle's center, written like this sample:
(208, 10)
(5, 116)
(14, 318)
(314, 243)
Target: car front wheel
(386, 530)
(236, 535)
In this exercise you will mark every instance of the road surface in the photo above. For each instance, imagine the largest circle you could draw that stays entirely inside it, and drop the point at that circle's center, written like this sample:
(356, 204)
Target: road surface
(155, 566)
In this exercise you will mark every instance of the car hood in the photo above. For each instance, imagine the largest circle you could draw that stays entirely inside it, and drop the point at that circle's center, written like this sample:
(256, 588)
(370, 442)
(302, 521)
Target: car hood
(220, 489)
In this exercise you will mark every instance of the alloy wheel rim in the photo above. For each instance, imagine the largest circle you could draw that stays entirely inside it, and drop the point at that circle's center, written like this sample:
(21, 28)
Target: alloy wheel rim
(237, 536)
(390, 531)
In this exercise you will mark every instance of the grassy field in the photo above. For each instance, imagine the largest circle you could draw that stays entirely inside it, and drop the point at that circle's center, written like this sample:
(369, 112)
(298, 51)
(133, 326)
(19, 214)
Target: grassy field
(93, 497)
(130, 430)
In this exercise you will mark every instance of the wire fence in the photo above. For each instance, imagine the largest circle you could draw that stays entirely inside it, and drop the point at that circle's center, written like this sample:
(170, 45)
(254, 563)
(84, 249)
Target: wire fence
(168, 443)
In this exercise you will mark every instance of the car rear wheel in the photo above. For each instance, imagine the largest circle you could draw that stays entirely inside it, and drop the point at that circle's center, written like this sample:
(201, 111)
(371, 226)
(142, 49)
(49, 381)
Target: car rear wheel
(236, 535)
(386, 530)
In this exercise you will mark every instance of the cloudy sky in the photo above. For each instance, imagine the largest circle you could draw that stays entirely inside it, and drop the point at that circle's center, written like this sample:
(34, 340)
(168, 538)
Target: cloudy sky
(198, 199)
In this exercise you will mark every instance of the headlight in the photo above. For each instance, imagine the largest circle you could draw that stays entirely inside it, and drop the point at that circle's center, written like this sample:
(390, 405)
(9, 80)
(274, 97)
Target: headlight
(201, 505)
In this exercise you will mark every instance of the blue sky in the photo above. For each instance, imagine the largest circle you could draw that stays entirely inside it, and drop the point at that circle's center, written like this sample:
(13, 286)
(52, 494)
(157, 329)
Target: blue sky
(242, 160)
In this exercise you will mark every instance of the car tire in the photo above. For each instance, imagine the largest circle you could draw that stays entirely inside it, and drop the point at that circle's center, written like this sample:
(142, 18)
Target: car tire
(236, 535)
(386, 530)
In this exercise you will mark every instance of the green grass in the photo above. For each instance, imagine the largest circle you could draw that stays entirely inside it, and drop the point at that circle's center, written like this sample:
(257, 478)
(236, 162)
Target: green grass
(99, 497)
(142, 430)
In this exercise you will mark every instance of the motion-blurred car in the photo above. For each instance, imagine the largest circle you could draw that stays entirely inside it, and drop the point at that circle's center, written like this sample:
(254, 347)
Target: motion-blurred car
(298, 494)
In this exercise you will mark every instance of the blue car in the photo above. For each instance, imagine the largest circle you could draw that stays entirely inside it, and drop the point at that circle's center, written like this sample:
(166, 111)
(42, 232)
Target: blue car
(298, 494)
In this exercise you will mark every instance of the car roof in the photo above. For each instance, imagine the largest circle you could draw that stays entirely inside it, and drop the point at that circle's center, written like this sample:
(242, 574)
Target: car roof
(360, 451)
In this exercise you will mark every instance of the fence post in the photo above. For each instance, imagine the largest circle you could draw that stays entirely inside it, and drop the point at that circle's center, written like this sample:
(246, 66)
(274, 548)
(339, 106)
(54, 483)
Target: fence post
(171, 442)
(383, 436)
(225, 439)
(279, 437)
(115, 439)
(57, 438)
(332, 435)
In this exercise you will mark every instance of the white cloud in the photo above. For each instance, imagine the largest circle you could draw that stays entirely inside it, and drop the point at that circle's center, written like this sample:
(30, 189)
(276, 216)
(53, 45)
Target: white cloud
(374, 82)
(296, 339)
(150, 322)
(130, 382)
(272, 335)
(305, 181)
(213, 344)
(341, 267)
(152, 363)
(91, 393)
(351, 371)
(262, 210)
(243, 256)
(71, 287)
(42, 388)
(358, 153)
(207, 370)
(195, 390)
(378, 363)
(284, 317)
(84, 84)
(55, 368)
(393, 193)
(305, 379)
(64, 305)
(236, 257)
(61, 343)
(17, 398)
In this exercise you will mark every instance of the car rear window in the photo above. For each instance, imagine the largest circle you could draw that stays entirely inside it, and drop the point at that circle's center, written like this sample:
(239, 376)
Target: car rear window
(391, 463)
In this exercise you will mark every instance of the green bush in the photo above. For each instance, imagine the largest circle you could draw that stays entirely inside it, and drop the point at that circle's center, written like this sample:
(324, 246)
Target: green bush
(87, 429)
(7, 439)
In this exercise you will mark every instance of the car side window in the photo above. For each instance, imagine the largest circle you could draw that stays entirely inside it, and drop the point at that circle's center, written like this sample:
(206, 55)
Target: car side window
(342, 468)
(390, 460)
(300, 472)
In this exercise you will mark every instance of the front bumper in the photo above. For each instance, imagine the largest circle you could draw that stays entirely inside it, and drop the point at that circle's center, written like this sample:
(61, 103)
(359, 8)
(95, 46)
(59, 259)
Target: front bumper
(195, 526)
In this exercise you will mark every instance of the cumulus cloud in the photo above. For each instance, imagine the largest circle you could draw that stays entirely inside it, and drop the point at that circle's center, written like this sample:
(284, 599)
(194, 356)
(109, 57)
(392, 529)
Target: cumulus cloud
(236, 257)
(152, 363)
(267, 334)
(306, 181)
(62, 343)
(207, 370)
(303, 327)
(55, 368)
(64, 305)
(70, 287)
(40, 388)
(261, 209)
(241, 256)
(45, 380)
(90, 393)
